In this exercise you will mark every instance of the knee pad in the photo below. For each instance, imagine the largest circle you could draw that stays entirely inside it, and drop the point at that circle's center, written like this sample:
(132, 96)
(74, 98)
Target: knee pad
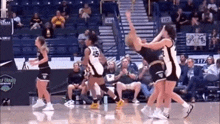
(104, 88)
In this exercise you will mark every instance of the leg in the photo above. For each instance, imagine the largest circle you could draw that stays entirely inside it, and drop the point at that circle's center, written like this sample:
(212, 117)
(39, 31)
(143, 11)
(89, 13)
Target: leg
(161, 87)
(70, 91)
(154, 96)
(145, 90)
(39, 90)
(137, 88)
(120, 87)
(44, 89)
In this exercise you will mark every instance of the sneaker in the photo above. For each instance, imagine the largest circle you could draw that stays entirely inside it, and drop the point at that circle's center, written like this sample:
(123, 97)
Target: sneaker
(40, 116)
(120, 103)
(38, 104)
(188, 110)
(94, 106)
(147, 111)
(159, 115)
(48, 108)
(68, 103)
(166, 115)
(135, 101)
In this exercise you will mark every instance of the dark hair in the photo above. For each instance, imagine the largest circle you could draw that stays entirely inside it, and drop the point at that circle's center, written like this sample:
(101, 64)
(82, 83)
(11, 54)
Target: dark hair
(184, 55)
(171, 31)
(218, 61)
(93, 37)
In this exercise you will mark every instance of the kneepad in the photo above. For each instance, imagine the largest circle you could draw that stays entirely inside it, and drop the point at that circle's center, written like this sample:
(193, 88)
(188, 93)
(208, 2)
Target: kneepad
(104, 88)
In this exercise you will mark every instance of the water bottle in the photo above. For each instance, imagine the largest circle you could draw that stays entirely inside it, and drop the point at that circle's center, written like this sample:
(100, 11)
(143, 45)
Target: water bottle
(105, 99)
(77, 99)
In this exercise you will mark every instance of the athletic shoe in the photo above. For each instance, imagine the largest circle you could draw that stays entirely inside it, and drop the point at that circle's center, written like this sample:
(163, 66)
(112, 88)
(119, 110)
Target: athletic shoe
(147, 111)
(166, 115)
(135, 101)
(94, 106)
(120, 103)
(40, 116)
(68, 103)
(38, 104)
(48, 108)
(159, 115)
(188, 110)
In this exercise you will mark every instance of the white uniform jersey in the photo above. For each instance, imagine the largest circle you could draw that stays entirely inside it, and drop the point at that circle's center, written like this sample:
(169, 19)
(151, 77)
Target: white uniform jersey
(170, 60)
(96, 68)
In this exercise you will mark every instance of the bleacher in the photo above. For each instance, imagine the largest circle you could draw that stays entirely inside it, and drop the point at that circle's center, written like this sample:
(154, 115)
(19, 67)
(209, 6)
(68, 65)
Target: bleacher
(65, 41)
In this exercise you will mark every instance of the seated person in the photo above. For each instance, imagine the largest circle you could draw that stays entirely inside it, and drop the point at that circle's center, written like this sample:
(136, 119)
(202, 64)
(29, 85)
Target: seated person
(184, 69)
(212, 6)
(207, 17)
(189, 6)
(195, 19)
(17, 21)
(36, 22)
(146, 80)
(180, 19)
(64, 9)
(110, 72)
(131, 64)
(209, 61)
(212, 74)
(85, 12)
(213, 40)
(195, 79)
(203, 6)
(58, 21)
(81, 40)
(76, 81)
(126, 80)
(48, 31)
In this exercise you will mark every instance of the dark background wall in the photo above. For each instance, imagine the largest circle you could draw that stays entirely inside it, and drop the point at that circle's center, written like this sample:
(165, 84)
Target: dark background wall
(25, 83)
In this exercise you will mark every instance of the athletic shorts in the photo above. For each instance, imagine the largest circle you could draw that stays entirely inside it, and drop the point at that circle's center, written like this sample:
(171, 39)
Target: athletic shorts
(44, 74)
(173, 77)
(157, 72)
(173, 73)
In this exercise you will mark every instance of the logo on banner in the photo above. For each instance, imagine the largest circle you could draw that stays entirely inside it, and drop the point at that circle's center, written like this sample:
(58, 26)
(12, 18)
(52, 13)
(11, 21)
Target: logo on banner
(195, 39)
(4, 22)
(6, 82)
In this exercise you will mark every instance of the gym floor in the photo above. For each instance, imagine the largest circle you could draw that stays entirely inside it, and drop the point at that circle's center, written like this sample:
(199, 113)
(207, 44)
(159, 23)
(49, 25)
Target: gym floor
(203, 113)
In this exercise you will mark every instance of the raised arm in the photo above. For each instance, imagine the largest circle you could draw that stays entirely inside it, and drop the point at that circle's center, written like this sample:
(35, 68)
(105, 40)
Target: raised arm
(131, 26)
(158, 37)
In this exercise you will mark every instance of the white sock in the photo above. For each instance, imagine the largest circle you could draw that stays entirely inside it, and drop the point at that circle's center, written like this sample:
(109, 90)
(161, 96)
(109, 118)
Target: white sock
(166, 110)
(158, 110)
(49, 103)
(185, 105)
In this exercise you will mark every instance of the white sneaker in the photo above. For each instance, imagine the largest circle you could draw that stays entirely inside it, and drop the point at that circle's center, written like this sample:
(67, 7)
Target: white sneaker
(159, 115)
(135, 101)
(39, 103)
(48, 108)
(39, 116)
(147, 111)
(69, 103)
(187, 111)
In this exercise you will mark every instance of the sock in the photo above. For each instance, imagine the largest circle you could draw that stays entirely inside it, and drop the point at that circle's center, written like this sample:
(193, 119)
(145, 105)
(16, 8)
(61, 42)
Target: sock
(95, 100)
(158, 110)
(49, 103)
(166, 110)
(185, 105)
(116, 99)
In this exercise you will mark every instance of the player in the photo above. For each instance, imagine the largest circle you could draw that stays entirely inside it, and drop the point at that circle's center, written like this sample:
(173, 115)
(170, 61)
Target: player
(93, 60)
(43, 77)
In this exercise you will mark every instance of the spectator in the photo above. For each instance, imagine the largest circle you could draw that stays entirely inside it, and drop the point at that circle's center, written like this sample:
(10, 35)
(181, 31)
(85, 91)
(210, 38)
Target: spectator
(209, 61)
(212, 74)
(64, 9)
(176, 5)
(197, 30)
(17, 21)
(203, 6)
(109, 72)
(131, 64)
(48, 31)
(212, 7)
(85, 12)
(36, 22)
(195, 19)
(195, 79)
(81, 39)
(180, 19)
(146, 80)
(207, 17)
(76, 81)
(126, 78)
(58, 20)
(190, 6)
(213, 40)
(184, 68)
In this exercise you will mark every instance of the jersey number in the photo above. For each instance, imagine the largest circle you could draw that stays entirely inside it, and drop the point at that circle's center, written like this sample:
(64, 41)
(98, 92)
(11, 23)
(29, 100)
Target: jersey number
(96, 53)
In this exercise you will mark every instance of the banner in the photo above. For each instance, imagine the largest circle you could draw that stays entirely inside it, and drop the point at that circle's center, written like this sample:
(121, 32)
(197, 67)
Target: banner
(196, 39)
(166, 19)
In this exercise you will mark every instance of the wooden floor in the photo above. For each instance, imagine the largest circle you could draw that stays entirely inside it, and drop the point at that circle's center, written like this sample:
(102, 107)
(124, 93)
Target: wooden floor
(203, 113)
